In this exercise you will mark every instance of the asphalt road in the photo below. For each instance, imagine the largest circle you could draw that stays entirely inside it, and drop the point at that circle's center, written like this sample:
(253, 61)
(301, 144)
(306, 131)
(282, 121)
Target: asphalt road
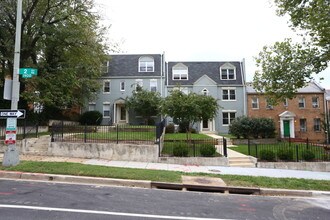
(43, 200)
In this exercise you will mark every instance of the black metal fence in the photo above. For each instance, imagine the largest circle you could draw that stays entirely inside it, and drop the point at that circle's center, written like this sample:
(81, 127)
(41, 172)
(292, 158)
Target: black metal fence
(137, 134)
(24, 129)
(194, 148)
(288, 151)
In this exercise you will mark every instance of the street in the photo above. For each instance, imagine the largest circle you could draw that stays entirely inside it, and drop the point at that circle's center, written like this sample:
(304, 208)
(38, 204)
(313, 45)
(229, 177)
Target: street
(44, 200)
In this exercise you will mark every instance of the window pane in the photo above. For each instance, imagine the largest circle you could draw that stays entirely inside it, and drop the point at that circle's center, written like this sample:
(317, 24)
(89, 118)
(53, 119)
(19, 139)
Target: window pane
(106, 87)
(231, 74)
(225, 119)
(232, 95)
(225, 94)
(223, 73)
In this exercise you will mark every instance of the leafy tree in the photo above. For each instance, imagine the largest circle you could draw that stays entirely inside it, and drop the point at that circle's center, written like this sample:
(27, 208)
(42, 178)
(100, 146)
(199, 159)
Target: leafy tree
(188, 109)
(63, 40)
(145, 103)
(286, 66)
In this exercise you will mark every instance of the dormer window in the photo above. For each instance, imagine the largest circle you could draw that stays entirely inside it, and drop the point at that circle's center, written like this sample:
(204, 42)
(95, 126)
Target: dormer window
(227, 72)
(146, 64)
(180, 72)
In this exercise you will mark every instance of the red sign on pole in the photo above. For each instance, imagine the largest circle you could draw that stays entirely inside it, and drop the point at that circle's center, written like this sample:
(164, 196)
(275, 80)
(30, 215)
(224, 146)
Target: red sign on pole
(10, 137)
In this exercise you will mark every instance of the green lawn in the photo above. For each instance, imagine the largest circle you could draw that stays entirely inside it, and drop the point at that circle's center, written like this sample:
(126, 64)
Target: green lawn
(164, 176)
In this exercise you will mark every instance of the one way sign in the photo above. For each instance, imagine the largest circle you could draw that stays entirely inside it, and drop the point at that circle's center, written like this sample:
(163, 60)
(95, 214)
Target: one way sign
(5, 113)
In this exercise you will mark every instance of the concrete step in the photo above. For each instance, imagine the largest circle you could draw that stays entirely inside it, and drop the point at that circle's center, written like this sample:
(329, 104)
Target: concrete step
(241, 162)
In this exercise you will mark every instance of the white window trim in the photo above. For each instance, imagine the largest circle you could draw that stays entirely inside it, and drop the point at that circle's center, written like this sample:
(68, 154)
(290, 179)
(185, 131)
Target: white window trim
(257, 102)
(205, 92)
(183, 71)
(145, 62)
(106, 81)
(120, 85)
(317, 103)
(229, 100)
(103, 104)
(153, 81)
(91, 103)
(304, 101)
(227, 68)
(228, 111)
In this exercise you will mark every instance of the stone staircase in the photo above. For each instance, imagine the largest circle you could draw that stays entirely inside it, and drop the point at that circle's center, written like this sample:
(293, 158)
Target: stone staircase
(36, 146)
(241, 162)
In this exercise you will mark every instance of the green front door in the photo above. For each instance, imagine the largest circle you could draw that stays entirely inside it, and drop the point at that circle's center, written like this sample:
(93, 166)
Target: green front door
(286, 124)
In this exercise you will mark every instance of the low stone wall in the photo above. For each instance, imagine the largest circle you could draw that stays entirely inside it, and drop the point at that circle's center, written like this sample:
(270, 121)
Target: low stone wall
(120, 152)
(255, 141)
(199, 161)
(310, 166)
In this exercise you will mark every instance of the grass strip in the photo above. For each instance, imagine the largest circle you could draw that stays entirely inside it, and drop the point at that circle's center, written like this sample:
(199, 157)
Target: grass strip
(78, 169)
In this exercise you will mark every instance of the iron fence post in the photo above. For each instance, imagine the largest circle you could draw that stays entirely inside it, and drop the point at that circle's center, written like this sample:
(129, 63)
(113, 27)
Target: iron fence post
(225, 147)
(256, 150)
(24, 129)
(297, 154)
(117, 132)
(85, 133)
(307, 143)
(249, 150)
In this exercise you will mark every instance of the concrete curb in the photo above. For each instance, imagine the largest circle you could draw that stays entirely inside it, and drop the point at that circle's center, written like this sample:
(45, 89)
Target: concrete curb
(75, 179)
(159, 185)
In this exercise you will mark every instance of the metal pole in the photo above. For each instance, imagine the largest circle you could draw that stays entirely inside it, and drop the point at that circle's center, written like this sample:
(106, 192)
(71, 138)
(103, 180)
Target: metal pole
(11, 155)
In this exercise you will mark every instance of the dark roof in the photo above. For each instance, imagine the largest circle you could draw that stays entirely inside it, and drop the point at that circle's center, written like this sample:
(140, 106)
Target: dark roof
(128, 65)
(211, 69)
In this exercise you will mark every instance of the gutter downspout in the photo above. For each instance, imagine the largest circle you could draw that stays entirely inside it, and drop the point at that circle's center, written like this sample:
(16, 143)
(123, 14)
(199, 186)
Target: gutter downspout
(244, 86)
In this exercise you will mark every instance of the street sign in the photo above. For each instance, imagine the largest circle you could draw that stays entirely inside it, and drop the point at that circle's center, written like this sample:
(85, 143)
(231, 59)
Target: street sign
(28, 72)
(6, 113)
(10, 137)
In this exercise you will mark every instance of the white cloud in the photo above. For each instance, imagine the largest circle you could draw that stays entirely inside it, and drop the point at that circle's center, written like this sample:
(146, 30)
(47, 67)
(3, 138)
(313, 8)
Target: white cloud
(204, 30)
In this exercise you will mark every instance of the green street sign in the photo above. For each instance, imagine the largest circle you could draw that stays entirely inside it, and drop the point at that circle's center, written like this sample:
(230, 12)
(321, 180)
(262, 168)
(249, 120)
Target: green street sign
(28, 72)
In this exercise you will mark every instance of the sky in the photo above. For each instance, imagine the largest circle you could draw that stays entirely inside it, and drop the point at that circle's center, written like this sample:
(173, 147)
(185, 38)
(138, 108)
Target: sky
(198, 30)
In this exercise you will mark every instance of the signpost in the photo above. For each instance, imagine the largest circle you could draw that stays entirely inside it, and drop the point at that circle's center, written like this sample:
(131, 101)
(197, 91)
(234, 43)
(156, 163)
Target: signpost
(11, 155)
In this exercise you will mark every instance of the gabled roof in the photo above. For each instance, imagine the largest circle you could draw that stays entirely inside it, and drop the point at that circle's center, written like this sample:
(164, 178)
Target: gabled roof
(311, 87)
(128, 65)
(205, 77)
(211, 69)
(287, 114)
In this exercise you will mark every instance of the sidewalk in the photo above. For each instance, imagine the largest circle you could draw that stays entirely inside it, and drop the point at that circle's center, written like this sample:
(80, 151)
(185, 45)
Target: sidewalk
(278, 173)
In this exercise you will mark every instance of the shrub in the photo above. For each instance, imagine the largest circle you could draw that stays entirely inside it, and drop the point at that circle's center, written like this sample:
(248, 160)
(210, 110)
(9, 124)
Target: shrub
(170, 129)
(286, 155)
(180, 150)
(308, 155)
(207, 150)
(267, 155)
(91, 118)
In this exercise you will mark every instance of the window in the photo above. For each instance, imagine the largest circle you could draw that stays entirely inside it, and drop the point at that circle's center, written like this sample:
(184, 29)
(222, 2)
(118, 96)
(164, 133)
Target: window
(255, 103)
(105, 67)
(229, 94)
(285, 102)
(91, 106)
(106, 110)
(122, 86)
(153, 85)
(205, 92)
(317, 124)
(268, 104)
(106, 86)
(315, 102)
(303, 125)
(301, 102)
(227, 73)
(138, 84)
(180, 72)
(146, 64)
(228, 117)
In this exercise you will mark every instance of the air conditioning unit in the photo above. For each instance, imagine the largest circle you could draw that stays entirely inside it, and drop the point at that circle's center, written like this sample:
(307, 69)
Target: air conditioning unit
(315, 105)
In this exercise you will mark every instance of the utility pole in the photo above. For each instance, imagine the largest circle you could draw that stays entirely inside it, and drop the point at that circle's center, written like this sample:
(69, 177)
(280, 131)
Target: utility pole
(11, 155)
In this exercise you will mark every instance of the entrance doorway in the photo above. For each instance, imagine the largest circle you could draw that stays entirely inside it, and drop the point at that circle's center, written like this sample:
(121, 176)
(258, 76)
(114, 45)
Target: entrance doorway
(286, 128)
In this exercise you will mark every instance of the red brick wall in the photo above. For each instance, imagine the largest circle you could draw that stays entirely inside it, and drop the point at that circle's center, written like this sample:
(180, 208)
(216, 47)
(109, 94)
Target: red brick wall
(309, 113)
